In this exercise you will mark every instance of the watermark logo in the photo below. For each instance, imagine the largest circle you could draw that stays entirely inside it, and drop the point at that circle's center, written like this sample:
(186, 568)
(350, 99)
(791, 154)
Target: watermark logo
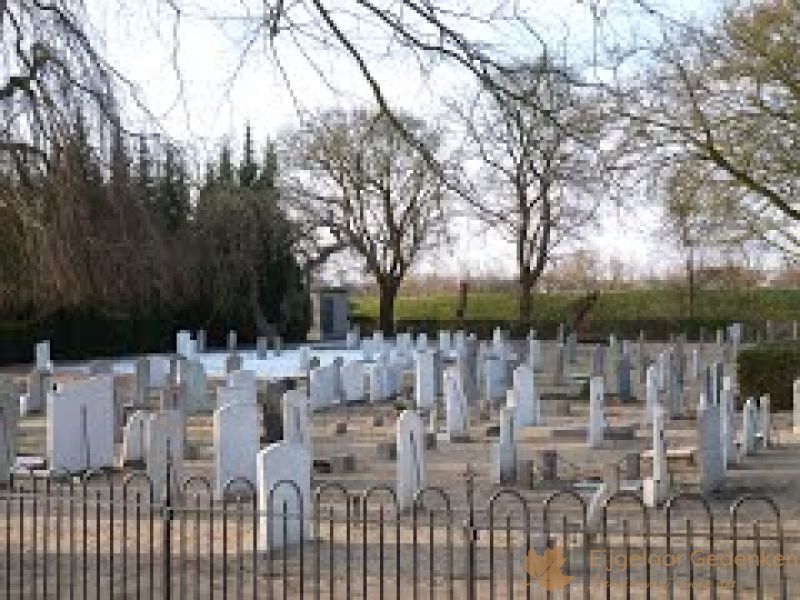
(546, 567)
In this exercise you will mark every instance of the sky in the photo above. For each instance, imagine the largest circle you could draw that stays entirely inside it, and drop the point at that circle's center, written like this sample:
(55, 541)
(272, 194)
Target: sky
(190, 74)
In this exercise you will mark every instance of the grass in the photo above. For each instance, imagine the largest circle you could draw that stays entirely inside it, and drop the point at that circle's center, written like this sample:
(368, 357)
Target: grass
(657, 304)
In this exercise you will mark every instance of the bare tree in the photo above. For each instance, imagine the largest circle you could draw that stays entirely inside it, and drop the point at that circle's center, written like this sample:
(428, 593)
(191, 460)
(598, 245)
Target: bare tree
(354, 177)
(725, 99)
(539, 165)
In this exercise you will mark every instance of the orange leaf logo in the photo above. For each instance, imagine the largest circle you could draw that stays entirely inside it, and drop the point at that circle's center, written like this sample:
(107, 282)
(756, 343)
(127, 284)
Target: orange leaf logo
(546, 568)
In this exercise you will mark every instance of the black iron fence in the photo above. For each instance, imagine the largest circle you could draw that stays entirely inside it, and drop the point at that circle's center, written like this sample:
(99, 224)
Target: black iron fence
(98, 537)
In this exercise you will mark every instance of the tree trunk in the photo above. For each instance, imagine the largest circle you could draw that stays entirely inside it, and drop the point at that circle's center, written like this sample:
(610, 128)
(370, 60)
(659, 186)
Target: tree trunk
(525, 300)
(388, 294)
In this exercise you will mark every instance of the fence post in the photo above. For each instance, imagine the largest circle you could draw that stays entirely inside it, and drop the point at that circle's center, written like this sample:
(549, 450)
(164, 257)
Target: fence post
(470, 535)
(166, 529)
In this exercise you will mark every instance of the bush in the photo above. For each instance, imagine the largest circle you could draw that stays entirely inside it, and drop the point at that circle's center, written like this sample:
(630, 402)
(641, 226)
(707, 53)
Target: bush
(770, 369)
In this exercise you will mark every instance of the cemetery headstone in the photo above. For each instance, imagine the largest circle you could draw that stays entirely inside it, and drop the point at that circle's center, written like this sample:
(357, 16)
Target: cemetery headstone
(284, 484)
(80, 425)
(236, 443)
(410, 458)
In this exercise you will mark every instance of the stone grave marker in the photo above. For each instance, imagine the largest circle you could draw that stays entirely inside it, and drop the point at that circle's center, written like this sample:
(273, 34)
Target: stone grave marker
(504, 451)
(165, 433)
(656, 488)
(284, 483)
(134, 439)
(597, 423)
(262, 346)
(410, 432)
(425, 379)
(80, 425)
(296, 424)
(353, 377)
(527, 397)
(9, 417)
(236, 443)
(765, 421)
(456, 419)
(711, 467)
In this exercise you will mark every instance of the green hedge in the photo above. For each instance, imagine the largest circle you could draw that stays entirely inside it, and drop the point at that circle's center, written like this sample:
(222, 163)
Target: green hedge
(770, 369)
(79, 335)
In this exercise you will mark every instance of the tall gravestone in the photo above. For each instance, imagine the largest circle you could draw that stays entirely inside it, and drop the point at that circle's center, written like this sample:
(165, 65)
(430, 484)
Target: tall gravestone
(197, 398)
(296, 424)
(765, 421)
(656, 488)
(80, 425)
(236, 443)
(727, 424)
(457, 421)
(354, 388)
(425, 379)
(527, 397)
(796, 406)
(749, 427)
(504, 451)
(9, 413)
(134, 439)
(711, 466)
(284, 495)
(596, 431)
(164, 451)
(410, 432)
(651, 393)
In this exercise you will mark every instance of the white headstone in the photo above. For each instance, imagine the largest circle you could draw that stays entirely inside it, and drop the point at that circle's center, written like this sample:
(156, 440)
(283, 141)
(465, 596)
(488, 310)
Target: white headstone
(227, 394)
(494, 371)
(236, 443)
(43, 362)
(80, 425)
(749, 426)
(504, 452)
(410, 458)
(197, 398)
(142, 381)
(444, 342)
(296, 427)
(164, 446)
(159, 371)
(534, 353)
(134, 438)
(284, 495)
(354, 381)
(765, 421)
(709, 450)
(651, 393)
(727, 424)
(185, 345)
(422, 342)
(384, 381)
(353, 341)
(9, 416)
(527, 397)
(455, 404)
(796, 405)
(655, 488)
(597, 422)
(425, 379)
(245, 380)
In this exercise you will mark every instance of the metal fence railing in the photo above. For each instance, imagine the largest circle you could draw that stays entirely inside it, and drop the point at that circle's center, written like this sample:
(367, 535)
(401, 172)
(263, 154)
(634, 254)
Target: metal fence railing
(98, 537)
